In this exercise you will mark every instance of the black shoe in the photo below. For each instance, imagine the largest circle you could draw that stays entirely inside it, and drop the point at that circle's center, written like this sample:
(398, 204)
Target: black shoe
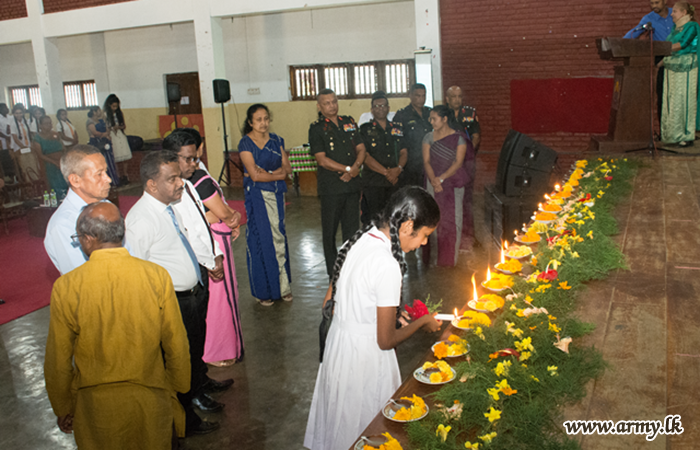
(206, 403)
(211, 386)
(203, 428)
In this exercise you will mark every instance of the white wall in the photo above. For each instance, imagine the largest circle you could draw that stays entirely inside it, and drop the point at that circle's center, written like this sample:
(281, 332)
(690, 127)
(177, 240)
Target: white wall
(16, 67)
(259, 49)
(138, 59)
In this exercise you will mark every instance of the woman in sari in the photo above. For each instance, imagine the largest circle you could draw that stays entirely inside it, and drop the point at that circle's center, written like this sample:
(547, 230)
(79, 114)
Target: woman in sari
(680, 97)
(447, 151)
(48, 148)
(266, 166)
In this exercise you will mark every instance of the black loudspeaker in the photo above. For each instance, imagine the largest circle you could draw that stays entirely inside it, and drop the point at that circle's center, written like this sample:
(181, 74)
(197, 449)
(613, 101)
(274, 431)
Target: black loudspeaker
(524, 166)
(504, 214)
(222, 91)
(174, 92)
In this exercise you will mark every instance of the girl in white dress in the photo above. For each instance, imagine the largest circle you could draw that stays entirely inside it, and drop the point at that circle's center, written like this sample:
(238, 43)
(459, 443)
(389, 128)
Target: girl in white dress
(360, 371)
(65, 129)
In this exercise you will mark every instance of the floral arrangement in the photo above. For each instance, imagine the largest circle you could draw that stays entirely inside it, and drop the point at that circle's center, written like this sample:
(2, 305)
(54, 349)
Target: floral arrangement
(519, 251)
(499, 282)
(441, 371)
(511, 265)
(455, 346)
(416, 410)
(390, 444)
(528, 360)
(489, 302)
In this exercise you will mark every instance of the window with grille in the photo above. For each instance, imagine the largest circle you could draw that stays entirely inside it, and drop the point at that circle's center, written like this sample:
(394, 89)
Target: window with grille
(80, 94)
(26, 95)
(352, 80)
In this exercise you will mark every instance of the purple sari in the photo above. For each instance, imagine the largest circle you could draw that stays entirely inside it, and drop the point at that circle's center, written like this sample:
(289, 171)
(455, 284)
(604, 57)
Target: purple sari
(454, 204)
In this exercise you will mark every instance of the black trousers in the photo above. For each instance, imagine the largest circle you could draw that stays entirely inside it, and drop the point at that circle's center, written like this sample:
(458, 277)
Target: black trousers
(193, 307)
(374, 200)
(338, 209)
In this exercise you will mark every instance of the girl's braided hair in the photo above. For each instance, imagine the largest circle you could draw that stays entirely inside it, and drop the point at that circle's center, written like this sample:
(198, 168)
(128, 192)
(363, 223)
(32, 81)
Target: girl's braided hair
(409, 203)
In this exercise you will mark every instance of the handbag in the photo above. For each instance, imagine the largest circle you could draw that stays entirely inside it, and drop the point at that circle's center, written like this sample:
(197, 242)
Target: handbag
(326, 319)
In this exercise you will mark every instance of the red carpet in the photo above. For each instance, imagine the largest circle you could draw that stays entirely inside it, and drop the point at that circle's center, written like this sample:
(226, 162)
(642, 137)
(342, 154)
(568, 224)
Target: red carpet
(26, 272)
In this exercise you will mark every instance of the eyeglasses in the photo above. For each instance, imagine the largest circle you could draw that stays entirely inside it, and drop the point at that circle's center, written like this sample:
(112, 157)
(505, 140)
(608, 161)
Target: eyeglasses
(75, 238)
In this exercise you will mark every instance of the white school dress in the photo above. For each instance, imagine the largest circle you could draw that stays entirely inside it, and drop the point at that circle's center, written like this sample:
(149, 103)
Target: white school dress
(356, 377)
(120, 144)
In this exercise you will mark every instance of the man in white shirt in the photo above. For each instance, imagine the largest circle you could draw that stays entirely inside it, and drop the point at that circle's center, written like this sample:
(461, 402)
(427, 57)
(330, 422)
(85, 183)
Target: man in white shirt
(85, 170)
(156, 232)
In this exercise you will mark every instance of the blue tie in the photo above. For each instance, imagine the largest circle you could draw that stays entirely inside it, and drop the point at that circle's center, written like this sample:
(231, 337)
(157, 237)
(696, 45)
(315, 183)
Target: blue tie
(186, 243)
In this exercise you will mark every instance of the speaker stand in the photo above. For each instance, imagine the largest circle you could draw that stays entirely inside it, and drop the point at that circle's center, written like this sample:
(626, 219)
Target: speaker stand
(225, 174)
(651, 147)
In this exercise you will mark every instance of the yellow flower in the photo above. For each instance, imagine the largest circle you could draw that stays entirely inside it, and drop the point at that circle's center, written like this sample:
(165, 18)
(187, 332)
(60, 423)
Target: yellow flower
(528, 299)
(502, 368)
(590, 234)
(390, 444)
(554, 328)
(442, 431)
(479, 332)
(534, 260)
(551, 317)
(574, 254)
(552, 370)
(555, 264)
(535, 378)
(543, 287)
(513, 307)
(600, 194)
(487, 438)
(494, 393)
(474, 446)
(524, 356)
(525, 344)
(493, 415)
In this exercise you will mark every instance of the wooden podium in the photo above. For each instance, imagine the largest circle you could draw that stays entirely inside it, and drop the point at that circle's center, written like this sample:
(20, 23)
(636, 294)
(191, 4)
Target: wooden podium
(629, 126)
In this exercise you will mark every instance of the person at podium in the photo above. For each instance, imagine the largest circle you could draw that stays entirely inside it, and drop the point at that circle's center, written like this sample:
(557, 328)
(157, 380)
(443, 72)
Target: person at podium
(662, 25)
(679, 112)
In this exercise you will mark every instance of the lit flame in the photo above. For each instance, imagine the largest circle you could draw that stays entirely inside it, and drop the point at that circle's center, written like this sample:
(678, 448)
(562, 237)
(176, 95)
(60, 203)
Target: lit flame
(456, 314)
(539, 205)
(475, 296)
(488, 274)
(503, 255)
(506, 244)
(547, 197)
(557, 187)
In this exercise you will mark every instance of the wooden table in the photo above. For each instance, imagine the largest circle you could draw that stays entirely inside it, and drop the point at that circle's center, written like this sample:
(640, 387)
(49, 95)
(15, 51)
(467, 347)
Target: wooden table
(411, 386)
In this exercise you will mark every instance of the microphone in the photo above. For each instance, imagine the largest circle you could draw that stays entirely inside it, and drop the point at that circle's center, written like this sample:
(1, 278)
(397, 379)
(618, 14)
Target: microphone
(646, 26)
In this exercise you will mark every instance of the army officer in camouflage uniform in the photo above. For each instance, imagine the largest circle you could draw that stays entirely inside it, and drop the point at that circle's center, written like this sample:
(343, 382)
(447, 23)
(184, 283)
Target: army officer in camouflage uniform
(385, 160)
(336, 144)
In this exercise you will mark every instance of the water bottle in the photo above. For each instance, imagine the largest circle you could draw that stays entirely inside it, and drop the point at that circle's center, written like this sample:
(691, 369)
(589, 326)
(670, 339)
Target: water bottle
(54, 201)
(46, 198)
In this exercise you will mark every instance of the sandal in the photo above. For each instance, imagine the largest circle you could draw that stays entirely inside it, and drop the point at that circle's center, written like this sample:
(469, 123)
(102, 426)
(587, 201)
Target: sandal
(225, 363)
(265, 302)
(288, 298)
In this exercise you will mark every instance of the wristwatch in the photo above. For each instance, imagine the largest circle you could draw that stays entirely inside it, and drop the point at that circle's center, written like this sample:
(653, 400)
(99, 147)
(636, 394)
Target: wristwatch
(348, 169)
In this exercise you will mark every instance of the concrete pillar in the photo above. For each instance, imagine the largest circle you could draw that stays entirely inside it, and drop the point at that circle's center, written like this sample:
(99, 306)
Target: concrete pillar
(210, 62)
(46, 61)
(428, 36)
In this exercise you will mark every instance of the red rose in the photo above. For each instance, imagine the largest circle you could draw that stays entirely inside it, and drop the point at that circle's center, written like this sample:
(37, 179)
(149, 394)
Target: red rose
(608, 178)
(548, 275)
(418, 310)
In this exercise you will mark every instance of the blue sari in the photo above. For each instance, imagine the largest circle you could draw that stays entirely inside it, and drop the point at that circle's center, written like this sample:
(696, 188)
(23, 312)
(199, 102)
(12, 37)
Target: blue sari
(268, 251)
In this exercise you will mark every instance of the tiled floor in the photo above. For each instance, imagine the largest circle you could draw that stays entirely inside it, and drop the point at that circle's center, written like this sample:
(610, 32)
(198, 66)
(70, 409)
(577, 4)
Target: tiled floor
(647, 329)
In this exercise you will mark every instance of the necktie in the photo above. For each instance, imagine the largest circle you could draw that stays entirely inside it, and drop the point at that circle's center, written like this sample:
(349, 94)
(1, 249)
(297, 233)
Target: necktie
(186, 243)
